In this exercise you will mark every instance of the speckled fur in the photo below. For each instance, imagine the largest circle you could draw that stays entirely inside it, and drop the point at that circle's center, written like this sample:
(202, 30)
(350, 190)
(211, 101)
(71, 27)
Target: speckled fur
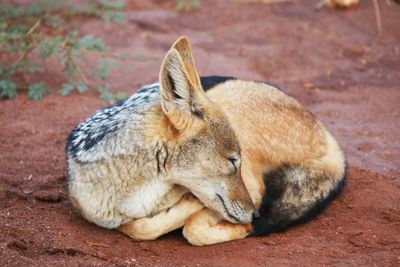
(241, 146)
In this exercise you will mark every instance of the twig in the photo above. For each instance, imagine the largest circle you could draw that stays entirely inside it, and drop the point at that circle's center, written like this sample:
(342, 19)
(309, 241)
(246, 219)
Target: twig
(377, 16)
(82, 74)
(30, 47)
(33, 28)
(66, 46)
(23, 56)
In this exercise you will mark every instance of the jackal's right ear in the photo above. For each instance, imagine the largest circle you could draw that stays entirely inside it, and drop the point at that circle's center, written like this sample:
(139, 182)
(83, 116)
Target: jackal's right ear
(181, 97)
(182, 45)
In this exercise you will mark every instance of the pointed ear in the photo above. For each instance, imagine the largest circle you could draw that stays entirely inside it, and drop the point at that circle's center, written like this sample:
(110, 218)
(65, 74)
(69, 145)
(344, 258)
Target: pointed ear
(181, 98)
(182, 45)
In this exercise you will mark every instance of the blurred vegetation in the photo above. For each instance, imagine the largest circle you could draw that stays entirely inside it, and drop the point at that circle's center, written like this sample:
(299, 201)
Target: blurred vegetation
(186, 5)
(42, 31)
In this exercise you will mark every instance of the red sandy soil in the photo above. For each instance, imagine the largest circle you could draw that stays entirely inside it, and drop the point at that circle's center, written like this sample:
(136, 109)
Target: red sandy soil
(332, 60)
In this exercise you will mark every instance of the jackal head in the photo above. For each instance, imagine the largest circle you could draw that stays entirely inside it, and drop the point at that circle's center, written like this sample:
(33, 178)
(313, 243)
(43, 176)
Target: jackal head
(204, 153)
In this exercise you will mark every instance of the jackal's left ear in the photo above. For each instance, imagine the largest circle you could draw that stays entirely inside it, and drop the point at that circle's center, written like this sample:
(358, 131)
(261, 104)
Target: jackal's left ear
(182, 97)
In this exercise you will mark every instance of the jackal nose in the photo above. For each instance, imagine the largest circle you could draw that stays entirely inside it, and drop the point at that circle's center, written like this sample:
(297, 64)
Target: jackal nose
(256, 214)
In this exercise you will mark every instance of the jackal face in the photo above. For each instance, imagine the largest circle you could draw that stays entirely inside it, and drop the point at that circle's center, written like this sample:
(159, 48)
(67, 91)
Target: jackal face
(204, 148)
(212, 170)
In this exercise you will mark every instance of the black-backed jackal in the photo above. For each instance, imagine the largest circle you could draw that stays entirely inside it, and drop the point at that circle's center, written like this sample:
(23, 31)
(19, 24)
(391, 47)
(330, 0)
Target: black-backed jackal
(242, 159)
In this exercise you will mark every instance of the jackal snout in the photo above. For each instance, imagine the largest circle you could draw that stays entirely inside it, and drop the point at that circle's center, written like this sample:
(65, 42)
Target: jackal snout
(232, 200)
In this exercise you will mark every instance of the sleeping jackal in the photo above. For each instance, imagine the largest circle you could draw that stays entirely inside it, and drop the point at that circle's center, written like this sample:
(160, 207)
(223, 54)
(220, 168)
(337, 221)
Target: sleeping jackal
(240, 159)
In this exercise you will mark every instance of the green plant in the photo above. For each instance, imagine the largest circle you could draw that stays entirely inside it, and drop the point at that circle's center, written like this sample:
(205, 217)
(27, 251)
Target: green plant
(186, 5)
(40, 31)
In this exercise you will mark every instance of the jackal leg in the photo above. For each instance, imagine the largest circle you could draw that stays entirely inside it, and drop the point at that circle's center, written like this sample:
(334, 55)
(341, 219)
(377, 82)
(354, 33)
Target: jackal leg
(150, 228)
(205, 227)
(170, 199)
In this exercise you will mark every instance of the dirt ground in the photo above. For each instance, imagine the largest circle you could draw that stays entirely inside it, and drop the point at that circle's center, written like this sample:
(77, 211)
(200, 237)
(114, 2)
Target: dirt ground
(332, 60)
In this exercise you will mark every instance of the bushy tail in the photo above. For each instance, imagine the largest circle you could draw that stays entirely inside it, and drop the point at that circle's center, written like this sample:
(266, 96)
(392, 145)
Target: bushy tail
(294, 195)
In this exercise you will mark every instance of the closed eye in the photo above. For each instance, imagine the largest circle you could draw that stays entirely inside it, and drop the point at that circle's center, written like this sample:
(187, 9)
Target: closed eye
(234, 162)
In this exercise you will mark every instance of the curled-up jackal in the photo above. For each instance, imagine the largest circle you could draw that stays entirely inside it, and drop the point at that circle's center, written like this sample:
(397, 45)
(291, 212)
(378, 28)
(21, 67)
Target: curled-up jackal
(242, 159)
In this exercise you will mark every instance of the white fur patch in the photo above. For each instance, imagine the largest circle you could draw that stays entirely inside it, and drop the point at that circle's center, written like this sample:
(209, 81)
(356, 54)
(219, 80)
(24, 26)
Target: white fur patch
(141, 202)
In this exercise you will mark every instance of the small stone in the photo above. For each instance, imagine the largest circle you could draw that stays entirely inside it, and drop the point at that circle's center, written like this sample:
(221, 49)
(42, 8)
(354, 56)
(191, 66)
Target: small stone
(48, 196)
(17, 244)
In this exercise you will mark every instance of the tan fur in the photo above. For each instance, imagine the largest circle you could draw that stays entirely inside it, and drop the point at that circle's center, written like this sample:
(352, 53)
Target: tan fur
(205, 227)
(182, 45)
(275, 129)
(150, 228)
(272, 128)
(185, 147)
